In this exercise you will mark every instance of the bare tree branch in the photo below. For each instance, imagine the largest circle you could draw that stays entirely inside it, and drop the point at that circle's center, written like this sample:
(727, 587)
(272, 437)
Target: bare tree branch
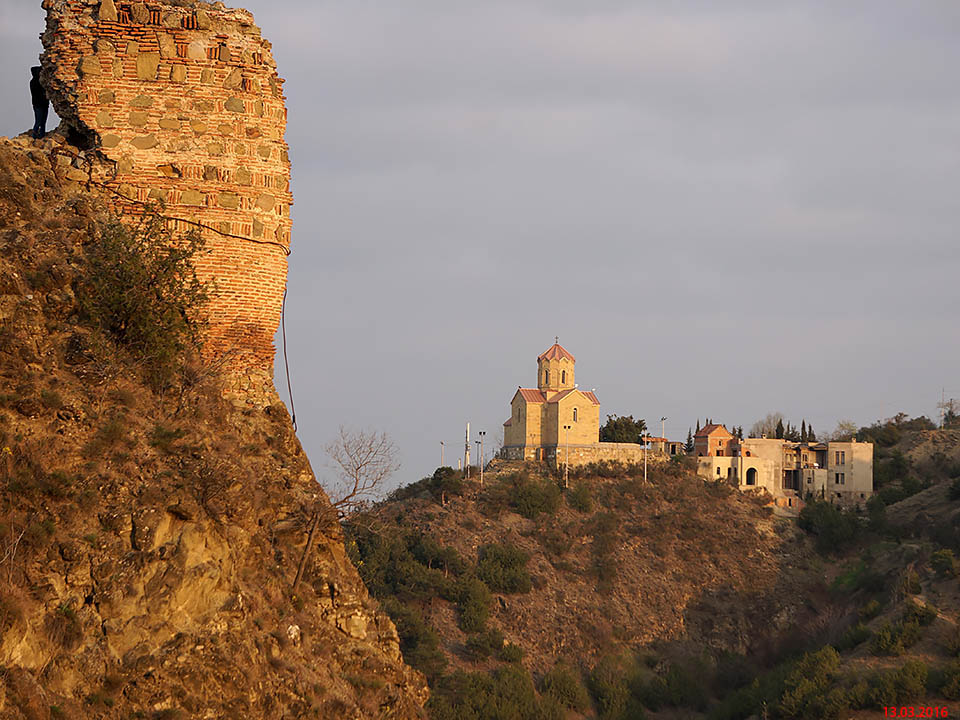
(362, 462)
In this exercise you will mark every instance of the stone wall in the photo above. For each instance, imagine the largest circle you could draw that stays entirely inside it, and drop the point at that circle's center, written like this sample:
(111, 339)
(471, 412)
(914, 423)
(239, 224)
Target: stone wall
(557, 455)
(184, 104)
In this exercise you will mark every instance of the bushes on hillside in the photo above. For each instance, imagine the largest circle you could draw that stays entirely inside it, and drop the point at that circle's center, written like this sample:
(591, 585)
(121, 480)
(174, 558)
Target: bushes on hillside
(140, 289)
(531, 496)
(443, 484)
(580, 498)
(504, 568)
(473, 604)
(833, 527)
(563, 685)
(505, 694)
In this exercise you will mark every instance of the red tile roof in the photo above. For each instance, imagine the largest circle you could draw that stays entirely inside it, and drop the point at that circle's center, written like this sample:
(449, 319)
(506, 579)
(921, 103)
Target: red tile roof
(555, 352)
(532, 395)
(509, 422)
(563, 393)
(711, 429)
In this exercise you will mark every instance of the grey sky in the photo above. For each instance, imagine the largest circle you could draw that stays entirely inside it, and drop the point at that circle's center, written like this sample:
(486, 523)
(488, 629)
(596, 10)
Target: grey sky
(722, 209)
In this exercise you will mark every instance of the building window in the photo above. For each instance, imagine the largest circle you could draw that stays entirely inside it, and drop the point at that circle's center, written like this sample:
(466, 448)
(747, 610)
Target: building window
(809, 479)
(838, 494)
(862, 496)
(841, 457)
(838, 478)
(563, 376)
(718, 472)
(574, 414)
(546, 377)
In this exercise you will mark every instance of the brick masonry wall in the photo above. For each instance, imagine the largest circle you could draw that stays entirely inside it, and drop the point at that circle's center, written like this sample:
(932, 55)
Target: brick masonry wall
(185, 106)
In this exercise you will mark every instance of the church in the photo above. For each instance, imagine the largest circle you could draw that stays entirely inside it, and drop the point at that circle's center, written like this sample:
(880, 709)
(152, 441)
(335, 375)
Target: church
(555, 413)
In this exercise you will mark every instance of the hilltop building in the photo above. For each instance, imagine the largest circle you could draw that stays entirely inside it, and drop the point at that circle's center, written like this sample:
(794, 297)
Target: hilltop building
(556, 422)
(841, 472)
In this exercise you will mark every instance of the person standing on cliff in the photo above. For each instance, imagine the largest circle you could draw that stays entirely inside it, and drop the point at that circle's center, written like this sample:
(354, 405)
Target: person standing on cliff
(41, 105)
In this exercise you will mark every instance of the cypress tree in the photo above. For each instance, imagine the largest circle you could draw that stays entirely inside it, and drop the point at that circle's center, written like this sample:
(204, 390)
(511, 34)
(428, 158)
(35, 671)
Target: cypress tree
(803, 431)
(689, 446)
(780, 429)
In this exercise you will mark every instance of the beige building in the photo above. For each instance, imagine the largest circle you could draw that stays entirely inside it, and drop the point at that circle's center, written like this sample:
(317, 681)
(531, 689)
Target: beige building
(841, 472)
(556, 422)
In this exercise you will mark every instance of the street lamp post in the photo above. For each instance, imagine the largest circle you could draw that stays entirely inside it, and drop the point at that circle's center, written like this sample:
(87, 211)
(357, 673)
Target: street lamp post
(566, 461)
(646, 439)
(481, 433)
(663, 435)
(441, 453)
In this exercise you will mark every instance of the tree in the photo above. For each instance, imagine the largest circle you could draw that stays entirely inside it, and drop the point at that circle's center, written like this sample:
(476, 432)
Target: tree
(362, 461)
(688, 447)
(779, 429)
(845, 430)
(811, 435)
(803, 430)
(740, 432)
(766, 426)
(623, 429)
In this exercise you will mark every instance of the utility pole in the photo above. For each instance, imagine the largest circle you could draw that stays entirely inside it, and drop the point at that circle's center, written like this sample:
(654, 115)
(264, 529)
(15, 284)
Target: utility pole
(566, 462)
(645, 441)
(481, 434)
(441, 453)
(663, 435)
(466, 451)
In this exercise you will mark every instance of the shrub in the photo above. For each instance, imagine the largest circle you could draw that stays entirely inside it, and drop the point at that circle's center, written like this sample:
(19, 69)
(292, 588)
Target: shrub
(505, 693)
(139, 288)
(563, 684)
(870, 610)
(950, 682)
(419, 644)
(921, 614)
(484, 644)
(832, 526)
(896, 638)
(608, 684)
(580, 498)
(906, 684)
(854, 635)
(511, 653)
(807, 686)
(473, 603)
(910, 583)
(503, 568)
(530, 497)
(944, 563)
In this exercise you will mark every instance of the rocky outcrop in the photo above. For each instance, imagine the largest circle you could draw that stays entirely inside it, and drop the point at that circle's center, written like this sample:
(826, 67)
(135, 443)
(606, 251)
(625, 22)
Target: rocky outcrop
(148, 544)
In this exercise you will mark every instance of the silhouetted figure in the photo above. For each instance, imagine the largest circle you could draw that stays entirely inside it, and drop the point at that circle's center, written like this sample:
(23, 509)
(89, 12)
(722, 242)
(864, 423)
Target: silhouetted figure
(41, 105)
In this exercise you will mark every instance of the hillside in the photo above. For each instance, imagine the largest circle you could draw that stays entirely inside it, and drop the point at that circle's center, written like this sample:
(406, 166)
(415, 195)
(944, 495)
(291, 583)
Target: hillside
(617, 598)
(150, 531)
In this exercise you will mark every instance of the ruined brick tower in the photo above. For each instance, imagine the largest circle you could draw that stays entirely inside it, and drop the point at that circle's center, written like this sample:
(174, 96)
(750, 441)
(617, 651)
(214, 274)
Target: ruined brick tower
(183, 102)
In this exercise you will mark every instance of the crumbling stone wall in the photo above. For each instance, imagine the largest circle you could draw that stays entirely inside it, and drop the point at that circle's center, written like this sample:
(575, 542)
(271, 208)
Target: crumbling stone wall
(183, 102)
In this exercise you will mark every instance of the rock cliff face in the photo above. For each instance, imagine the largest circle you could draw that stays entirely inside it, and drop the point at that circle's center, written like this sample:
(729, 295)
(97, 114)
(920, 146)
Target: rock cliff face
(182, 104)
(148, 544)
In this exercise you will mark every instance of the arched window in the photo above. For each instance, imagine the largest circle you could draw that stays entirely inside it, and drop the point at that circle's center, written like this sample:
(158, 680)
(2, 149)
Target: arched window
(574, 414)
(751, 476)
(563, 377)
(546, 377)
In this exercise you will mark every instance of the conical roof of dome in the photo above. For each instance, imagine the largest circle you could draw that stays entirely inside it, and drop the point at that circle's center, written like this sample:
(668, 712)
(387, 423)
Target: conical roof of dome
(555, 352)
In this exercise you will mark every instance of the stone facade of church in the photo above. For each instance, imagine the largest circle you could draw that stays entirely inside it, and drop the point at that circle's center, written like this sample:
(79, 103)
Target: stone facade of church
(557, 422)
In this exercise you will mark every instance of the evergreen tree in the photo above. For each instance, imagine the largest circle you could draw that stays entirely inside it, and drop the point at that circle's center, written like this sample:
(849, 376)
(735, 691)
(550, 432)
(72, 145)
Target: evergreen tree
(811, 435)
(779, 429)
(803, 431)
(689, 446)
(740, 432)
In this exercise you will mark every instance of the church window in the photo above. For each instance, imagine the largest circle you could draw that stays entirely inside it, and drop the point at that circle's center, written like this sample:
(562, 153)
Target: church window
(575, 415)
(563, 376)
(546, 377)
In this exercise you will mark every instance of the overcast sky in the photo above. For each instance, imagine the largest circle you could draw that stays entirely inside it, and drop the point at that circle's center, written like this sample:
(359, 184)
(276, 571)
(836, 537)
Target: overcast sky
(722, 209)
